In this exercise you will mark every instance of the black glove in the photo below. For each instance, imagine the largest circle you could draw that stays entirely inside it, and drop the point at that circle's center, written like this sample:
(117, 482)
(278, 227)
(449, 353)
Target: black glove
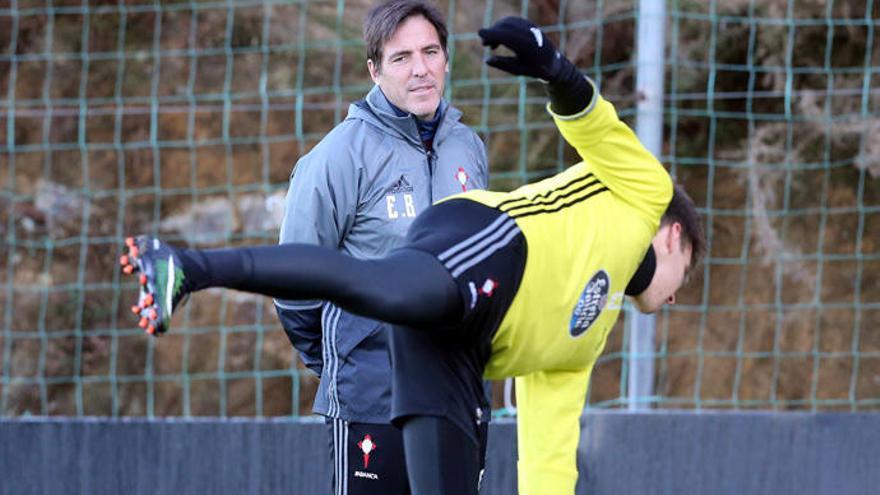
(536, 56)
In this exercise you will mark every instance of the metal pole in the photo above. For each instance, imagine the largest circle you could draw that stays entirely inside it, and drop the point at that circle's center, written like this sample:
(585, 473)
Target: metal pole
(649, 127)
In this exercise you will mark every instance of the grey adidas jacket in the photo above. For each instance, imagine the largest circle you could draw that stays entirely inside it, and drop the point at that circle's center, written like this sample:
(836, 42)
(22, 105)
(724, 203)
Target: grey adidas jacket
(358, 190)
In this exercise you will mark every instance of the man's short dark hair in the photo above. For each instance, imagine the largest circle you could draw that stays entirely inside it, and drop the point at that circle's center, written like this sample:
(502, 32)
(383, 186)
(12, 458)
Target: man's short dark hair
(383, 20)
(682, 210)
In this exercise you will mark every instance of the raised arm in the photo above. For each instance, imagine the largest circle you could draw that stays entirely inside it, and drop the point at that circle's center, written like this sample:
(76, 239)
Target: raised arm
(587, 121)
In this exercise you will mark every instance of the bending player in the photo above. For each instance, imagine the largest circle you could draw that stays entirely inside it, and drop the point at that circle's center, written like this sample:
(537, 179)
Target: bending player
(527, 284)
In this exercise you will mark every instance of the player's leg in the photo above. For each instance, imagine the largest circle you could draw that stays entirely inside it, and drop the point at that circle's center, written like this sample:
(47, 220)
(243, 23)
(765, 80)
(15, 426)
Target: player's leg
(440, 404)
(439, 399)
(409, 286)
(441, 458)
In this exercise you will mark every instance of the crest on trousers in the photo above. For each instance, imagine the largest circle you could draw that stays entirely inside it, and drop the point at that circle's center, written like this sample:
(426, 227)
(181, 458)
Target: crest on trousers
(367, 447)
(590, 304)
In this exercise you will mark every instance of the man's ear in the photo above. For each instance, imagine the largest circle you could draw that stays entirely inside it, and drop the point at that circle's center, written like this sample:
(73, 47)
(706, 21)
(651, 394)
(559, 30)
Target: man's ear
(374, 71)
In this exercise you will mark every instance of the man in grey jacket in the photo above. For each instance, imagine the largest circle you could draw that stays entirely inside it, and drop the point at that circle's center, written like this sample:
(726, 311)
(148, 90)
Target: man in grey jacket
(399, 150)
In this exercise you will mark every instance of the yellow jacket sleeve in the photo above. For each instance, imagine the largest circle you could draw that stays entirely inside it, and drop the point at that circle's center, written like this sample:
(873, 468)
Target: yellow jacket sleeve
(549, 407)
(616, 157)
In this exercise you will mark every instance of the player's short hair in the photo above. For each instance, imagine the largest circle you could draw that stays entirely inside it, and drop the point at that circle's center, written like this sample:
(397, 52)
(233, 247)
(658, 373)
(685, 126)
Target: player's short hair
(682, 210)
(383, 20)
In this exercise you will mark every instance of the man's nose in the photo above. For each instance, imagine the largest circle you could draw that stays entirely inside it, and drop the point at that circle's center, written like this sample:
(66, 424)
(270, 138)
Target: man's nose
(419, 67)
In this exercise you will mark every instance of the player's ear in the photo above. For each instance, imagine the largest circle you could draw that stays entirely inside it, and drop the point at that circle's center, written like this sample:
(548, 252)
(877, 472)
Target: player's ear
(672, 237)
(675, 232)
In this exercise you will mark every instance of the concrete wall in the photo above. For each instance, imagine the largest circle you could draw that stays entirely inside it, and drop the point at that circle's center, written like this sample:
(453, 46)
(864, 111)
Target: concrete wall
(620, 453)
(730, 453)
(172, 456)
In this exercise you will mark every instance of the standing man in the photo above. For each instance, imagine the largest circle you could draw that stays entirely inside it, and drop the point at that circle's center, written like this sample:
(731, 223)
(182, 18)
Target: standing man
(399, 150)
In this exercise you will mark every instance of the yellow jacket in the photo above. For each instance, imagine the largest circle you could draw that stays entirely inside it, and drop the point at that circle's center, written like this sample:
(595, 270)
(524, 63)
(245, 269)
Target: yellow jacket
(587, 230)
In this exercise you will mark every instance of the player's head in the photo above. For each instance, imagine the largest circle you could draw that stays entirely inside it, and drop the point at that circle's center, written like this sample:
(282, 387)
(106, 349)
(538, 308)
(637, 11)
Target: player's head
(406, 54)
(678, 247)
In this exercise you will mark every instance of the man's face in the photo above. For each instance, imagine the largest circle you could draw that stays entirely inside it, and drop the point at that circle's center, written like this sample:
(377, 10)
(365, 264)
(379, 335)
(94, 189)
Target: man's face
(413, 69)
(673, 263)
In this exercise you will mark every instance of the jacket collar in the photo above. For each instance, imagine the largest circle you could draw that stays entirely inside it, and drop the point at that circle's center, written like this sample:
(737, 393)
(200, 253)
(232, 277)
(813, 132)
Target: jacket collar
(375, 108)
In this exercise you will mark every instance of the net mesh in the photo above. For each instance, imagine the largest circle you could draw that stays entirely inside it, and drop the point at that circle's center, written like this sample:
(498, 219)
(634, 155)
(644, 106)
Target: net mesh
(184, 118)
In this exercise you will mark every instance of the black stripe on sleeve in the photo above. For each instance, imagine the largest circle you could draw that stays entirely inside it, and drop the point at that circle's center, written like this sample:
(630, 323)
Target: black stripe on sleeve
(519, 209)
(556, 207)
(588, 179)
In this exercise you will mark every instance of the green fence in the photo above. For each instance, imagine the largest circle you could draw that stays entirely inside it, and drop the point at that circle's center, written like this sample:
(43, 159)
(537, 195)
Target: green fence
(184, 118)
